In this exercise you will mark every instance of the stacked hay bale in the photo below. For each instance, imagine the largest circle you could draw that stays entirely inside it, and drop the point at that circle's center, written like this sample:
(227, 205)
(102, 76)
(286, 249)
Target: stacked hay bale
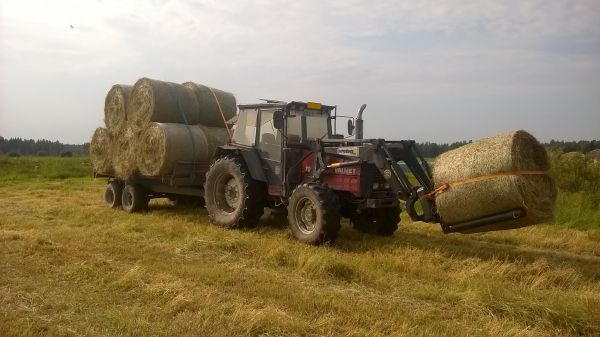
(100, 151)
(115, 104)
(154, 124)
(495, 175)
(164, 144)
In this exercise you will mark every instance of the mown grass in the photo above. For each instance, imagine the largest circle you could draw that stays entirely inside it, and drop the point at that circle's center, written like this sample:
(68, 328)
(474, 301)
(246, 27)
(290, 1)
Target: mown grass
(71, 267)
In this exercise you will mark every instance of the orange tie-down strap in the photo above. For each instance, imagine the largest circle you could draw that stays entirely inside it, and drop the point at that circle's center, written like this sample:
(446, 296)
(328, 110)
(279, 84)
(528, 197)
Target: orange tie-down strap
(221, 111)
(446, 186)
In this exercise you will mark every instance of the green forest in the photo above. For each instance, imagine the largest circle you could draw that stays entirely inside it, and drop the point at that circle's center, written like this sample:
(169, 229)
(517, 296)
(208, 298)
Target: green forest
(42, 147)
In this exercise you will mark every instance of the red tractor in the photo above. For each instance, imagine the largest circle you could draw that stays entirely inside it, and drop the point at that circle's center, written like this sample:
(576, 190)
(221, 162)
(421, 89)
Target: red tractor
(287, 157)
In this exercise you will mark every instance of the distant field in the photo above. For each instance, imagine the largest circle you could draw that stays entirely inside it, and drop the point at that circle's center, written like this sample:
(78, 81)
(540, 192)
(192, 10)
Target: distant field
(27, 168)
(71, 267)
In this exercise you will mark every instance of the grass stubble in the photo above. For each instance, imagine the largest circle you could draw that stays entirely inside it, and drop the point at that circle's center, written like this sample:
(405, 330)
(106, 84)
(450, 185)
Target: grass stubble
(70, 266)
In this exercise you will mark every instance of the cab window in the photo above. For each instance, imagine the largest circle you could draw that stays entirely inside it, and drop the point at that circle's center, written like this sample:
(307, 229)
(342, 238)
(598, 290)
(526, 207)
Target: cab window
(294, 129)
(245, 130)
(270, 140)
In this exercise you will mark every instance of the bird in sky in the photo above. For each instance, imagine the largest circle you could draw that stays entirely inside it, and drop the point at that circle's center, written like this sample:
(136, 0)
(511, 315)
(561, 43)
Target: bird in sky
(71, 26)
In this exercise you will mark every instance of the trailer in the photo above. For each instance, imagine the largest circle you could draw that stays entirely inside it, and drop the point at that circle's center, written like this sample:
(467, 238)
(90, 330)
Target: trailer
(184, 185)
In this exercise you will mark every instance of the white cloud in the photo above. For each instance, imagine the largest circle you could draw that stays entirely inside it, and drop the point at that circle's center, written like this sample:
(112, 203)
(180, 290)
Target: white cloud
(419, 64)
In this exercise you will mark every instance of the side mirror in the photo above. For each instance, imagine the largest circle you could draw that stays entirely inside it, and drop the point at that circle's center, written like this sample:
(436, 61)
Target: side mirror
(350, 127)
(278, 119)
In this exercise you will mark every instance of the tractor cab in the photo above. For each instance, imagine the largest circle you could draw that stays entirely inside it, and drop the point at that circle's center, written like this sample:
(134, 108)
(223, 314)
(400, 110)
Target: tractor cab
(274, 123)
(271, 128)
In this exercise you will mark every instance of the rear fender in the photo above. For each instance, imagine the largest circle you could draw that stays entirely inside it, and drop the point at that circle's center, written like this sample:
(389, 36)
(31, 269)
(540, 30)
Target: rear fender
(250, 158)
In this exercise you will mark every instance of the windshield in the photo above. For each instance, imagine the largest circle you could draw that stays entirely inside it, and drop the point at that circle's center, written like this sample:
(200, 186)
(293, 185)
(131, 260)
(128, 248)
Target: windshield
(317, 126)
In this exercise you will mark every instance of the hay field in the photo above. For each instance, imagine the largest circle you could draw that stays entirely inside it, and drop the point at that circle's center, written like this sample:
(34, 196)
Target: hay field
(71, 267)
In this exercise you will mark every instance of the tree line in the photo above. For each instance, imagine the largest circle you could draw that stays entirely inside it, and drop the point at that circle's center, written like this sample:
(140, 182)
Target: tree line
(583, 146)
(42, 147)
(429, 149)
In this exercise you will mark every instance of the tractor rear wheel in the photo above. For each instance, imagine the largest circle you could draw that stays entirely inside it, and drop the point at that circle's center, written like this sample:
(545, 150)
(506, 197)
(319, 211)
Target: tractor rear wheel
(382, 221)
(233, 199)
(112, 194)
(313, 214)
(134, 198)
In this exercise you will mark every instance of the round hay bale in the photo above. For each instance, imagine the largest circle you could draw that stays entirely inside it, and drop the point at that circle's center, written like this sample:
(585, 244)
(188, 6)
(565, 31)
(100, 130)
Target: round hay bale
(115, 107)
(593, 156)
(216, 137)
(100, 151)
(164, 144)
(572, 156)
(124, 151)
(164, 102)
(208, 112)
(509, 152)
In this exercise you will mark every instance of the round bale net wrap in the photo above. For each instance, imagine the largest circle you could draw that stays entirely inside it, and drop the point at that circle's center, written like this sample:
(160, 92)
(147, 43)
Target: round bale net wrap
(208, 107)
(498, 169)
(162, 145)
(215, 137)
(164, 102)
(115, 107)
(100, 151)
(124, 151)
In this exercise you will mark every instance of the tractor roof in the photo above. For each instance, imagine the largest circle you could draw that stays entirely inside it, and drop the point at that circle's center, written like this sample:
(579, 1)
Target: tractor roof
(293, 105)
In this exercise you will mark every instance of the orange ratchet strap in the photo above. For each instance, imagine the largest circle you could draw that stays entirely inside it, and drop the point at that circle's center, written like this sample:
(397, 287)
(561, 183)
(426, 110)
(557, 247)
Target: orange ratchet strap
(446, 186)
(221, 111)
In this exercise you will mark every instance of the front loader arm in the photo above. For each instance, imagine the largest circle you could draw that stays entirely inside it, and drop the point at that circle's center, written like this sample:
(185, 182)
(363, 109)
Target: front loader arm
(386, 156)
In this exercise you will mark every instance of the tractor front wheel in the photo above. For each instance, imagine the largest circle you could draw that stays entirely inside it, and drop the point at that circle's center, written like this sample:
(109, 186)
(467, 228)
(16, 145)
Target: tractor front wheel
(313, 214)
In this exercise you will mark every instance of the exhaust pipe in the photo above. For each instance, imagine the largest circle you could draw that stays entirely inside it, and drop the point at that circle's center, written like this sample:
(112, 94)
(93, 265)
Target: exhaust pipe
(359, 122)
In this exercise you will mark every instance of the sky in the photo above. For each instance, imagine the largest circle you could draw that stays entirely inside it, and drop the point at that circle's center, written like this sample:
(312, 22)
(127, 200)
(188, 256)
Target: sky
(438, 71)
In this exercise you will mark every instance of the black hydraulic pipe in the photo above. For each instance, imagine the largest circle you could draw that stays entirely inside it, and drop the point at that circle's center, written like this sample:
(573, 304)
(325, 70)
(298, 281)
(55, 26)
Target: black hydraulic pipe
(488, 220)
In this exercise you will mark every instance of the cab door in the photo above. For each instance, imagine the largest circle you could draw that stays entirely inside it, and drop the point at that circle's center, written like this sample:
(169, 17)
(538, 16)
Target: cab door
(269, 145)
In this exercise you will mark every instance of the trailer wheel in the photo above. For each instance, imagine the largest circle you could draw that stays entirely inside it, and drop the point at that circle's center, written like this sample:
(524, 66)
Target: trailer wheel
(233, 199)
(382, 221)
(134, 198)
(112, 194)
(313, 214)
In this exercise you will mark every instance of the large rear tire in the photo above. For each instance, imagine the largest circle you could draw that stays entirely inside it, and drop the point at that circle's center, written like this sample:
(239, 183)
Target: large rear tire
(381, 221)
(134, 198)
(112, 194)
(313, 214)
(233, 199)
